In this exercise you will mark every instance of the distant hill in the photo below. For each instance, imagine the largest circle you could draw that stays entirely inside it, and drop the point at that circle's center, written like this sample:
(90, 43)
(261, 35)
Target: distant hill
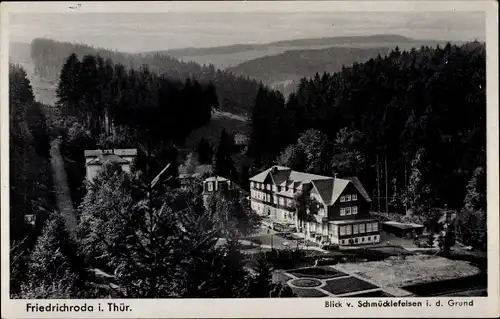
(282, 71)
(232, 55)
(46, 58)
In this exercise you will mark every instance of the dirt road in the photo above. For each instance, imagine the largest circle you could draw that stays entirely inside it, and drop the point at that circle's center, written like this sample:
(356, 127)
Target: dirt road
(63, 196)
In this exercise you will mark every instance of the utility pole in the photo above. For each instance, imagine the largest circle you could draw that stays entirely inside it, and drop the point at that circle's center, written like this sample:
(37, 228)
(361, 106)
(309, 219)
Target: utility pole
(378, 184)
(386, 185)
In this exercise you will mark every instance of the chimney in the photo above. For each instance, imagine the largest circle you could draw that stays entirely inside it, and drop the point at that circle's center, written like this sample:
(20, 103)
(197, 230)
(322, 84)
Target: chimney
(275, 169)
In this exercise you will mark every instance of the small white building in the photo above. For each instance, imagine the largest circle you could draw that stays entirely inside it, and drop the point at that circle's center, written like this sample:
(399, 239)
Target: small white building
(95, 159)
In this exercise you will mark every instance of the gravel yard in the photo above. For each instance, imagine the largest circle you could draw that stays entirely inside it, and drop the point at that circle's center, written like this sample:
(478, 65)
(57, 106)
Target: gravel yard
(412, 270)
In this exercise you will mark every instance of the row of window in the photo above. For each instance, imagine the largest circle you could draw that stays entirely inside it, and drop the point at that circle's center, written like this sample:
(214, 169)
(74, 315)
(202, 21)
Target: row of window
(358, 229)
(348, 198)
(346, 211)
(260, 186)
(269, 187)
(260, 196)
(210, 186)
(355, 240)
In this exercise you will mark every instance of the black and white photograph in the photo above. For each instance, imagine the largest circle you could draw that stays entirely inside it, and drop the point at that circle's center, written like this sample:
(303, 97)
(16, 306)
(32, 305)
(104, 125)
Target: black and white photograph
(230, 153)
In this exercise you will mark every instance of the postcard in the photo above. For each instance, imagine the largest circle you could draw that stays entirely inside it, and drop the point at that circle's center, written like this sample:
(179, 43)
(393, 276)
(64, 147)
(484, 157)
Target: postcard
(239, 159)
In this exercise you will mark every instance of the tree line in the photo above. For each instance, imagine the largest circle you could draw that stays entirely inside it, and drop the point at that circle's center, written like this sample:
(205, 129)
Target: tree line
(235, 93)
(31, 195)
(411, 125)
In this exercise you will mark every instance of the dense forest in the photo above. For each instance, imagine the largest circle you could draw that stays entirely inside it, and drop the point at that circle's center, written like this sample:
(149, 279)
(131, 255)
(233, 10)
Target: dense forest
(106, 105)
(31, 197)
(411, 125)
(236, 93)
(133, 239)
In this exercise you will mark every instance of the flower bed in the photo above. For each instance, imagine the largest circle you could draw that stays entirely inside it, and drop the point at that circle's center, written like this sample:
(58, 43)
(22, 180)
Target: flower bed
(347, 285)
(304, 292)
(306, 283)
(316, 272)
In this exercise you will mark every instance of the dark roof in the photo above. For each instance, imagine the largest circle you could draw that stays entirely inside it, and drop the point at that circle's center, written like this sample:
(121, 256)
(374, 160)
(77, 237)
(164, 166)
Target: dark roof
(360, 187)
(328, 188)
(103, 159)
(116, 151)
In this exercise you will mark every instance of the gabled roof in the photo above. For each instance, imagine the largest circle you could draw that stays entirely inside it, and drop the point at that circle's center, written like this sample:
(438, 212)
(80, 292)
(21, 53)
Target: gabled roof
(103, 159)
(360, 188)
(328, 188)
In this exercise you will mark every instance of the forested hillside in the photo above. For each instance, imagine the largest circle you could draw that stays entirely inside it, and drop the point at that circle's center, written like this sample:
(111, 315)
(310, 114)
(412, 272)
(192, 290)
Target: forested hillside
(421, 111)
(236, 93)
(106, 105)
(30, 175)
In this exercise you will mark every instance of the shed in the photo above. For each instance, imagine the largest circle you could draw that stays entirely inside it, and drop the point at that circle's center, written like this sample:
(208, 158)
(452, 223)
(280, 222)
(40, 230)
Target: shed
(402, 230)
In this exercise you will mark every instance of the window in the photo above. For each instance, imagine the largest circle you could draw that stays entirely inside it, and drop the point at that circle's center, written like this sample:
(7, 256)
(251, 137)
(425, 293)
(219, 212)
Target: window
(375, 226)
(252, 184)
(375, 237)
(274, 188)
(210, 187)
(369, 228)
(354, 210)
(354, 197)
(268, 187)
(342, 241)
(347, 198)
(361, 228)
(342, 231)
(342, 211)
(348, 210)
(275, 199)
(282, 201)
(355, 229)
(348, 230)
(289, 203)
(286, 188)
(268, 197)
(369, 238)
(363, 239)
(342, 198)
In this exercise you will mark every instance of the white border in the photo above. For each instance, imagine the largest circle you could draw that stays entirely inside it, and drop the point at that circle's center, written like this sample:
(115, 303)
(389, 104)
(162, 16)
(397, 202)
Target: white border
(237, 308)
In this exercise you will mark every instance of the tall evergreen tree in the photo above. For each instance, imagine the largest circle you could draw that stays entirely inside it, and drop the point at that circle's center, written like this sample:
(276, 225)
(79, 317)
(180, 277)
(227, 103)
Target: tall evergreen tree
(223, 162)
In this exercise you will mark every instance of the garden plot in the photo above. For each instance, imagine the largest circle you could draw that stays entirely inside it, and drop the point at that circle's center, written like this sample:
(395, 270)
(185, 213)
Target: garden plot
(413, 270)
(347, 285)
(316, 272)
(304, 292)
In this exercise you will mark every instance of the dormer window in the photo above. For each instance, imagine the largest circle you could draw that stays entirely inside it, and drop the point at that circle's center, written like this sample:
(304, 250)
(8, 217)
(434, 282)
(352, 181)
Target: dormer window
(252, 184)
(268, 187)
(342, 198)
(347, 198)
(354, 197)
(210, 186)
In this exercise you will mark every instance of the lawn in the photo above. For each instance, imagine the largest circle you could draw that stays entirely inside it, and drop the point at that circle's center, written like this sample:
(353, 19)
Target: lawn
(311, 292)
(316, 272)
(346, 285)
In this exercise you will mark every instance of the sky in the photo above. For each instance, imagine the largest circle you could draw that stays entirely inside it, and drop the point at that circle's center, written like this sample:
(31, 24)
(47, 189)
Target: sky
(135, 32)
